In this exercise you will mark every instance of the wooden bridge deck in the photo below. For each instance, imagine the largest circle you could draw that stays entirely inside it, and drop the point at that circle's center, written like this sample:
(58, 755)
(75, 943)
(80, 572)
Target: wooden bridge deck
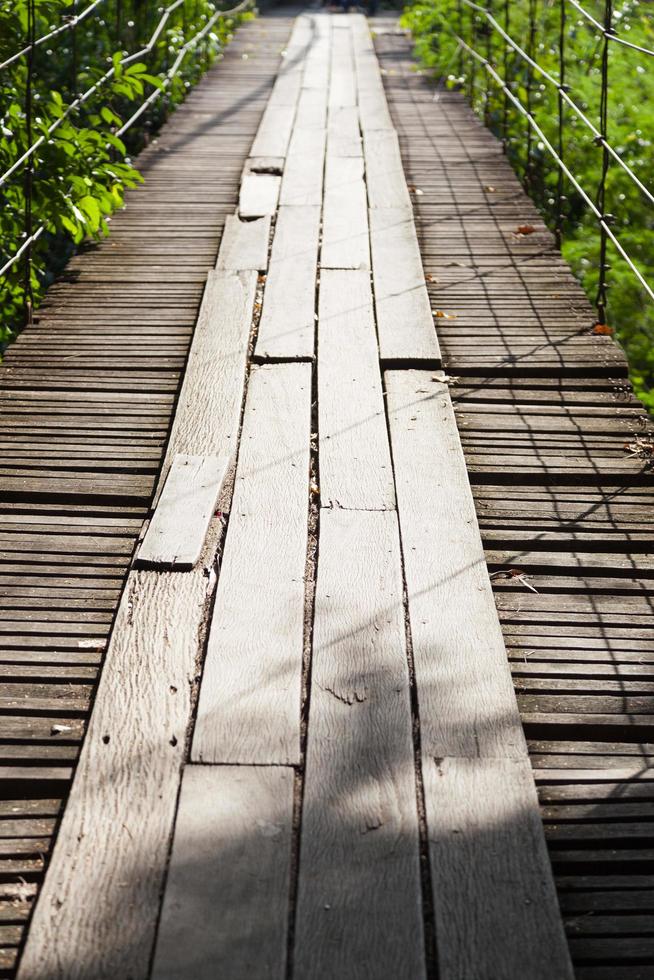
(306, 758)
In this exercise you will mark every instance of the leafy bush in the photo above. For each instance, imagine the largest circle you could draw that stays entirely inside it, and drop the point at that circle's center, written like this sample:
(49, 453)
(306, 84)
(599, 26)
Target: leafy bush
(434, 24)
(80, 170)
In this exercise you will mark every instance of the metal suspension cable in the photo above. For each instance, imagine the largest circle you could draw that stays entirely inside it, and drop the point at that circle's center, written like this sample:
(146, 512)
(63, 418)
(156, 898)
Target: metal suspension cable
(71, 24)
(546, 143)
(85, 96)
(610, 35)
(599, 137)
(183, 51)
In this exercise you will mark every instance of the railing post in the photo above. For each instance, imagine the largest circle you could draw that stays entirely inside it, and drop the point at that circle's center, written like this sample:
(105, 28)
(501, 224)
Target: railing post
(28, 296)
(531, 41)
(560, 148)
(505, 107)
(473, 63)
(601, 193)
(489, 58)
(459, 8)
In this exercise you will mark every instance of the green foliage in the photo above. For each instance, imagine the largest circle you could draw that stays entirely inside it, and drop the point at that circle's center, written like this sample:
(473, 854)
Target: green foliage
(81, 168)
(434, 24)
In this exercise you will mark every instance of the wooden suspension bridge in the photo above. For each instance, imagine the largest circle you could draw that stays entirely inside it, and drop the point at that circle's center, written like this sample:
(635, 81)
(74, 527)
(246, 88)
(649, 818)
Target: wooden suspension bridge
(326, 572)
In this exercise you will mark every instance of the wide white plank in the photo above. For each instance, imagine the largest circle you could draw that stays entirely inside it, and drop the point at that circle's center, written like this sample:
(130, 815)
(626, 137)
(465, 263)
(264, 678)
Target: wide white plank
(244, 245)
(177, 530)
(404, 318)
(355, 461)
(303, 173)
(494, 898)
(287, 324)
(258, 195)
(359, 903)
(209, 407)
(249, 709)
(274, 132)
(384, 171)
(374, 113)
(345, 242)
(286, 89)
(225, 908)
(342, 82)
(343, 136)
(97, 912)
(312, 109)
(467, 702)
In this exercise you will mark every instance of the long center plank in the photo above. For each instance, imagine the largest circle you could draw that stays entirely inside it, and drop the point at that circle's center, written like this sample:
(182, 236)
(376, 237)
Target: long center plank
(359, 908)
(249, 710)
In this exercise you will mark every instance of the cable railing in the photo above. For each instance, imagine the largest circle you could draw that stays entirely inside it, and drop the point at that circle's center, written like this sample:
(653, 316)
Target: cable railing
(198, 21)
(485, 35)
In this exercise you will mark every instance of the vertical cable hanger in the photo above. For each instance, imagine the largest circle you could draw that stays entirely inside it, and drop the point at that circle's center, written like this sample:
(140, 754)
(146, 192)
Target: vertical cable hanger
(489, 59)
(602, 285)
(560, 198)
(505, 106)
(473, 64)
(28, 295)
(531, 44)
(459, 9)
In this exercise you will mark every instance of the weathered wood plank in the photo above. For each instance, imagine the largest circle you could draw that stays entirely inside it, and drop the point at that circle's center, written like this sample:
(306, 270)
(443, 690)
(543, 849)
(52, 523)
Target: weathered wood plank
(258, 195)
(490, 872)
(355, 462)
(226, 904)
(176, 533)
(343, 136)
(209, 407)
(244, 245)
(404, 318)
(384, 171)
(467, 702)
(287, 324)
(359, 901)
(249, 708)
(303, 173)
(345, 242)
(274, 132)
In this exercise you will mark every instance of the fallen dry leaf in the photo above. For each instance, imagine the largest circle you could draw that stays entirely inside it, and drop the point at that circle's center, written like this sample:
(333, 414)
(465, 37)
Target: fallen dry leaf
(603, 329)
(444, 316)
(525, 230)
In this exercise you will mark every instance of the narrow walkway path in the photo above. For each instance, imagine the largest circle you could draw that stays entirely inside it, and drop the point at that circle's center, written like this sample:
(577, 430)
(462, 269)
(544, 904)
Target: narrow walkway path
(306, 756)
(336, 721)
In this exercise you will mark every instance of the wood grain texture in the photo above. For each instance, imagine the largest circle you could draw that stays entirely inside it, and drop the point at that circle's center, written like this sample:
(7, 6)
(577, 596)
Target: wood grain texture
(343, 136)
(303, 173)
(359, 903)
(98, 909)
(345, 218)
(494, 898)
(244, 245)
(467, 702)
(209, 407)
(249, 708)
(404, 318)
(287, 324)
(175, 536)
(274, 132)
(355, 462)
(258, 195)
(226, 905)
(384, 171)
